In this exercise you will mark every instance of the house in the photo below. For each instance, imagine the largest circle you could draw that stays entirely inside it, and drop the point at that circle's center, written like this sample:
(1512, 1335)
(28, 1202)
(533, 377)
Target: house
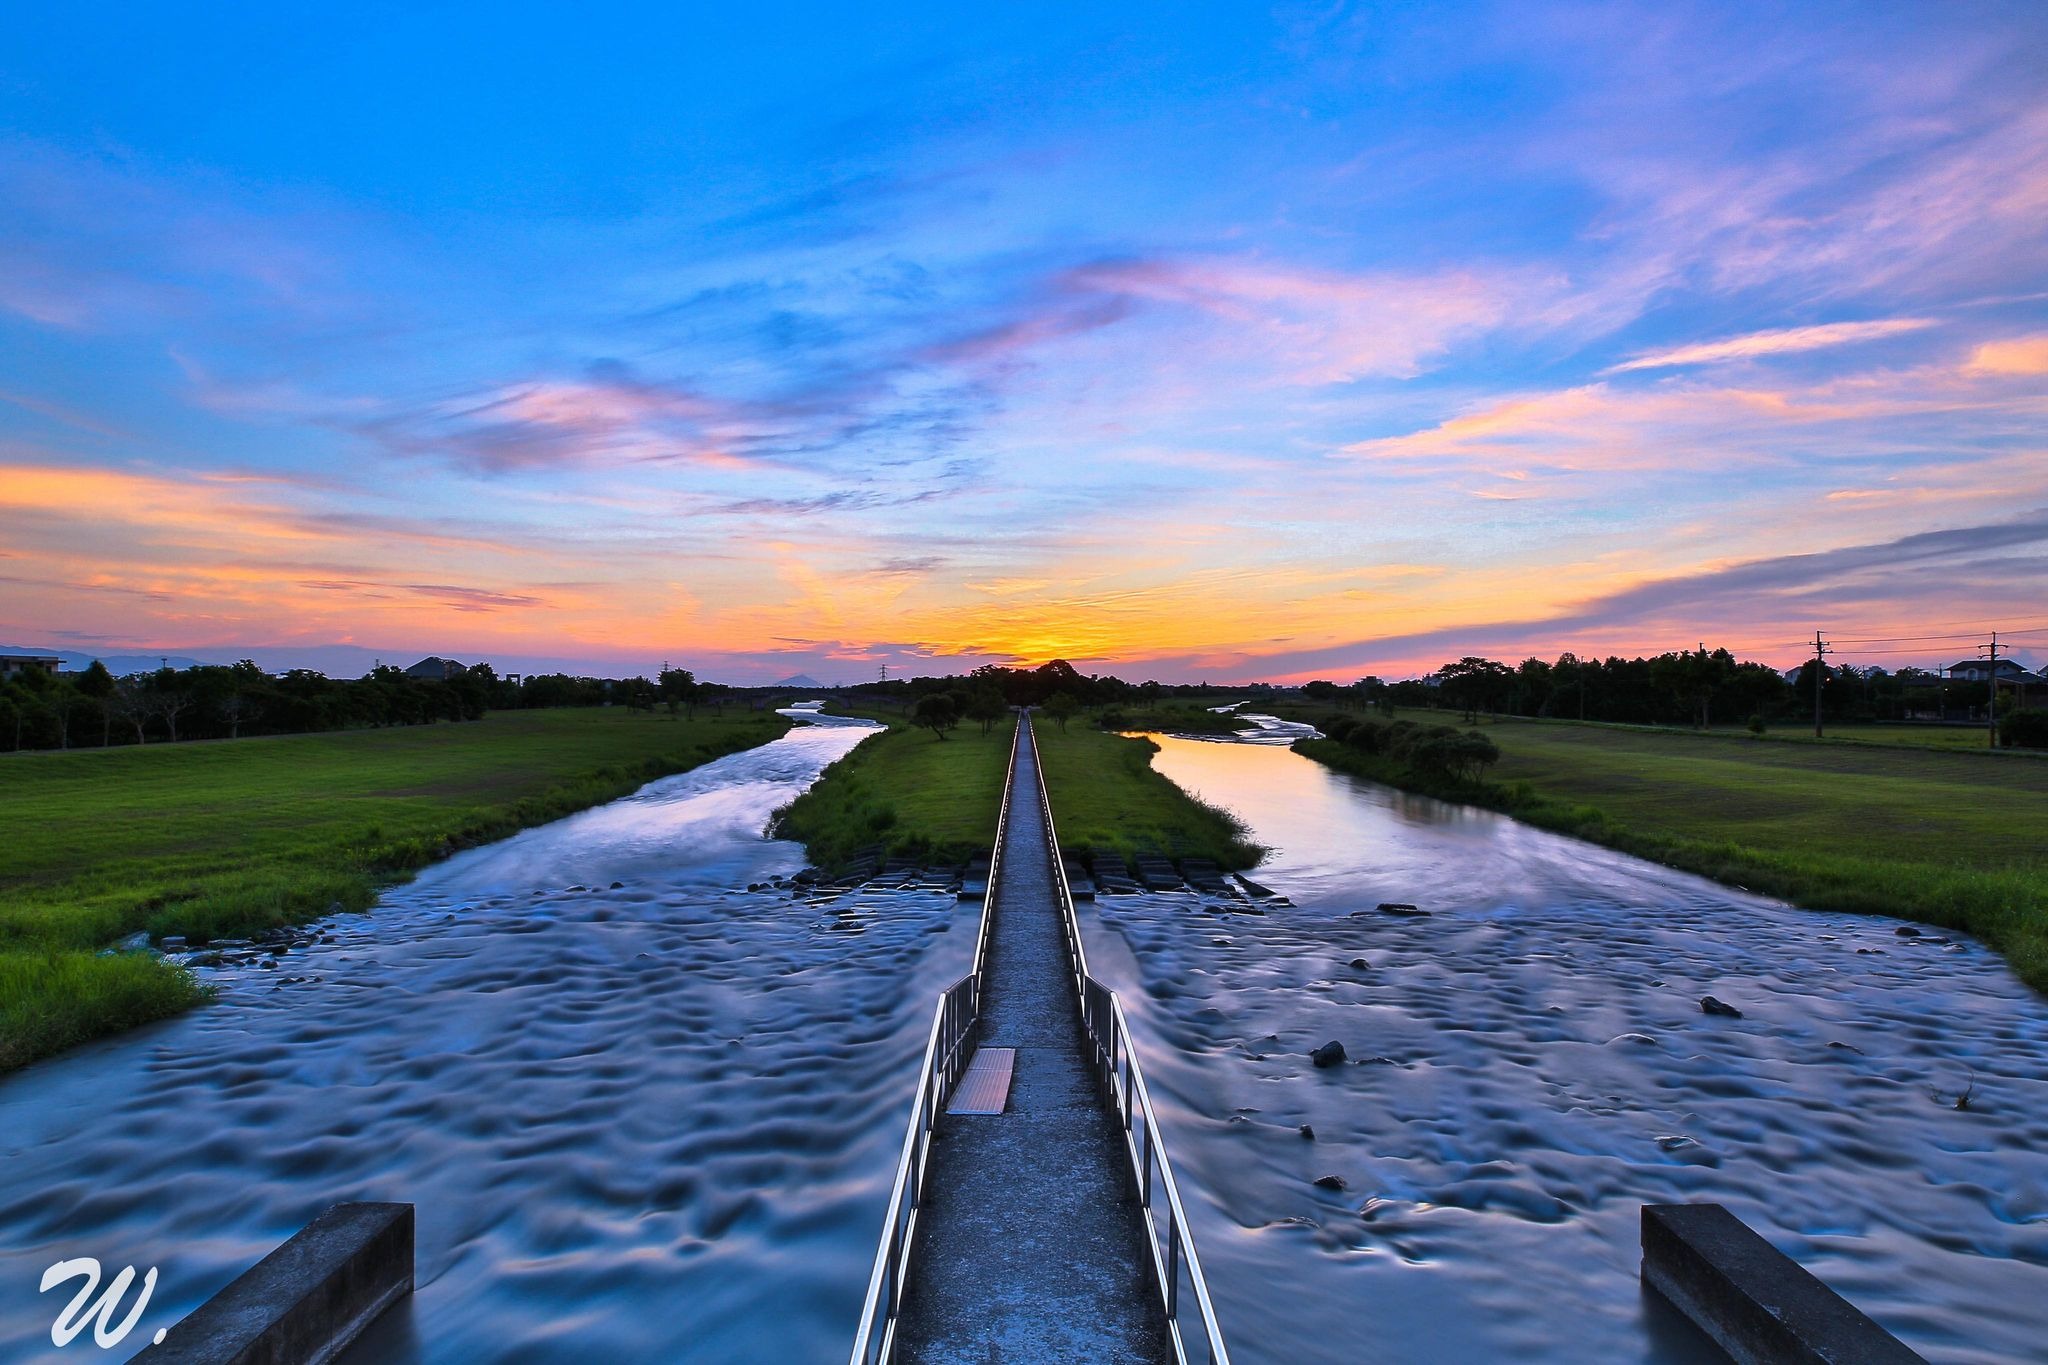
(436, 668)
(2010, 673)
(13, 664)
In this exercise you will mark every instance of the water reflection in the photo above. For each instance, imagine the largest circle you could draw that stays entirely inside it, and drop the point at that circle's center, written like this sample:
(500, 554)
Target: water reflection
(1531, 1065)
(647, 1122)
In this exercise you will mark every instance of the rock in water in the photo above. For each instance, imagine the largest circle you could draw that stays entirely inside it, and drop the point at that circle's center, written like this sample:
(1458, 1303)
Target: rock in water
(1906, 931)
(1329, 1054)
(1360, 963)
(1399, 908)
(1709, 1005)
(1308, 1131)
(1329, 1182)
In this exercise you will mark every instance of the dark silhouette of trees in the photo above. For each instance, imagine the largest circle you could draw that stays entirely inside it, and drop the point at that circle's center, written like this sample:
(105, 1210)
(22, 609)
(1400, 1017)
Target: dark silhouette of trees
(1061, 707)
(937, 713)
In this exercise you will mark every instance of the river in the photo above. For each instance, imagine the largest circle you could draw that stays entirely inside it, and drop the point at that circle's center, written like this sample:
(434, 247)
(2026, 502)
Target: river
(650, 1122)
(1531, 1065)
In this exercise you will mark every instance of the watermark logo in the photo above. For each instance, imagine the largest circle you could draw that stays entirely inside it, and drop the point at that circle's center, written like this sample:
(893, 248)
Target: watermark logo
(77, 1314)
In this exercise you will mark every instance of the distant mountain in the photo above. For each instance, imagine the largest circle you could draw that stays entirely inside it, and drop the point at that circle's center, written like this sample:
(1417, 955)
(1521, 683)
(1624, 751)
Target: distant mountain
(120, 665)
(799, 680)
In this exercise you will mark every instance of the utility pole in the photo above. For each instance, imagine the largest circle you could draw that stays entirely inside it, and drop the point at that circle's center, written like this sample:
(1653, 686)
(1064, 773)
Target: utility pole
(1992, 650)
(1820, 676)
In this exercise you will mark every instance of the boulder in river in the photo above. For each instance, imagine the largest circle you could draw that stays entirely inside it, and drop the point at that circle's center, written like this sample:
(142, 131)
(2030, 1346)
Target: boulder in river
(1329, 1182)
(1308, 1132)
(1360, 963)
(1401, 908)
(1711, 1005)
(1329, 1054)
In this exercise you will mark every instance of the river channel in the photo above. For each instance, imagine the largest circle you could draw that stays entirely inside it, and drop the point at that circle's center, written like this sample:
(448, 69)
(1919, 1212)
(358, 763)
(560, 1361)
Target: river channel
(654, 1121)
(1529, 1064)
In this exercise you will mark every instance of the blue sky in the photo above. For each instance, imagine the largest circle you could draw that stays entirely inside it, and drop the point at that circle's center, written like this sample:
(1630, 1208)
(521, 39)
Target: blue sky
(1192, 341)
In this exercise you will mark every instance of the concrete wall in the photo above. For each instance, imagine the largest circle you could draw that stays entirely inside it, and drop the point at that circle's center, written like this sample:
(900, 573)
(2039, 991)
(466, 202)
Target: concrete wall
(306, 1301)
(1758, 1304)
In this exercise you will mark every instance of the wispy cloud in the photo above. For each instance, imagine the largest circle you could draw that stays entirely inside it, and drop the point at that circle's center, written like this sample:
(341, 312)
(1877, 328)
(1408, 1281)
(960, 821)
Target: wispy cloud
(1777, 342)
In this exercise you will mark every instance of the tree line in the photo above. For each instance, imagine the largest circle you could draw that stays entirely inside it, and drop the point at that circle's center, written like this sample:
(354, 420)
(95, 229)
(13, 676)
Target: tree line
(1699, 687)
(94, 708)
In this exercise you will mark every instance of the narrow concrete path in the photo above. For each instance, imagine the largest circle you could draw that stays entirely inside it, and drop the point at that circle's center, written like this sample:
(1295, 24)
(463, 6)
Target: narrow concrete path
(1030, 1249)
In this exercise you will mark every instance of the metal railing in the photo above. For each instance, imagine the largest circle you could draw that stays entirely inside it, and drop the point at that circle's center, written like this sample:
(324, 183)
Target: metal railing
(1115, 1061)
(946, 1050)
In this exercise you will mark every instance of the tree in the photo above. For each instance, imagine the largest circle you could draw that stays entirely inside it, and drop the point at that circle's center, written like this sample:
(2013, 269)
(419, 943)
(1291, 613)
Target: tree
(638, 694)
(1061, 707)
(240, 704)
(986, 705)
(97, 686)
(937, 713)
(678, 689)
(130, 701)
(1474, 683)
(167, 700)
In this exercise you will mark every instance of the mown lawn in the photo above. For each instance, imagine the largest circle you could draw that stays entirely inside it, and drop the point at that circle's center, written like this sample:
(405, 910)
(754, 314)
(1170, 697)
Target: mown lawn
(908, 792)
(1107, 798)
(224, 839)
(1954, 839)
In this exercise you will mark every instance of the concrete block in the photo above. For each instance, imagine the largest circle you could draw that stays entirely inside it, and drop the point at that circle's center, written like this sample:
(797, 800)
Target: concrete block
(1757, 1303)
(307, 1300)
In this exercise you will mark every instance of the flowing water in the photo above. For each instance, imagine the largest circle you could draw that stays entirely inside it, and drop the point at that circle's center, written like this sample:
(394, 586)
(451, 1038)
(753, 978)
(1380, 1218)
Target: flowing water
(1530, 1065)
(648, 1122)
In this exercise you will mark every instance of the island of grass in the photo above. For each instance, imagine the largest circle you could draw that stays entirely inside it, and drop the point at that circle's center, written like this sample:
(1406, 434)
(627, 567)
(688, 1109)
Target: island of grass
(1946, 838)
(1107, 798)
(911, 793)
(906, 791)
(228, 838)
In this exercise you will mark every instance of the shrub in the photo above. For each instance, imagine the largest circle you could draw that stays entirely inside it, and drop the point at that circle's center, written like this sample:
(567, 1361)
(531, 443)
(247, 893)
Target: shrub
(2024, 729)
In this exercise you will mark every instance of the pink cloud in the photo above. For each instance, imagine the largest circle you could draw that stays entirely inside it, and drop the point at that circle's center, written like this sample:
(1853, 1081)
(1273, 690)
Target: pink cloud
(1320, 327)
(1776, 342)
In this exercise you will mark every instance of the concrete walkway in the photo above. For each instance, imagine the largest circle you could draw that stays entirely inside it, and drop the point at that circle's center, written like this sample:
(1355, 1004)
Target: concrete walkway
(1030, 1249)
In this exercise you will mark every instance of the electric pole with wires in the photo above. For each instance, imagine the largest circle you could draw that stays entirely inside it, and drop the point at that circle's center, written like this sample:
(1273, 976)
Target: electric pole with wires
(1992, 651)
(1820, 677)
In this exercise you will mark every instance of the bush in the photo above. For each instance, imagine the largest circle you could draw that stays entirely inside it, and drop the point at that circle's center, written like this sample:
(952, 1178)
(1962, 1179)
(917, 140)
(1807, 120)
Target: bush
(2024, 729)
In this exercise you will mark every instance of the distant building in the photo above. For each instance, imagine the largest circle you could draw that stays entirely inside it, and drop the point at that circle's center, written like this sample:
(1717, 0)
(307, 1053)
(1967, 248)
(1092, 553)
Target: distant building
(436, 668)
(12, 664)
(1979, 670)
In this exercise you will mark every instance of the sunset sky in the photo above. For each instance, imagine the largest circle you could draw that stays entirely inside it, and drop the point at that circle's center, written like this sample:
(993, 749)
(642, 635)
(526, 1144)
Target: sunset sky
(1180, 340)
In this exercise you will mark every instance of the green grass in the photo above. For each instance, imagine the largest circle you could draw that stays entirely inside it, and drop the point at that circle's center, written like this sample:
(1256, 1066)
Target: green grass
(1953, 839)
(1107, 798)
(907, 791)
(227, 839)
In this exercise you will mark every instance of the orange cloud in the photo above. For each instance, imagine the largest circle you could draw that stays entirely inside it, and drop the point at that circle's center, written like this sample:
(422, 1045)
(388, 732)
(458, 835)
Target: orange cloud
(2026, 355)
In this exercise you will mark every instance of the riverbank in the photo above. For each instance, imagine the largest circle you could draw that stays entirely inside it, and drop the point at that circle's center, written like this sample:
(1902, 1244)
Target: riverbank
(230, 839)
(1108, 798)
(1946, 839)
(907, 792)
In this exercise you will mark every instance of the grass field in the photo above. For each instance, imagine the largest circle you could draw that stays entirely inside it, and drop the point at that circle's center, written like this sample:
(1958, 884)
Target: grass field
(907, 791)
(1954, 839)
(1107, 798)
(226, 839)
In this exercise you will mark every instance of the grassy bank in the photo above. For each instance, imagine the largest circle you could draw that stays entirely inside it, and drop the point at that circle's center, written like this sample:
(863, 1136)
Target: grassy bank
(1107, 798)
(1945, 838)
(907, 791)
(227, 839)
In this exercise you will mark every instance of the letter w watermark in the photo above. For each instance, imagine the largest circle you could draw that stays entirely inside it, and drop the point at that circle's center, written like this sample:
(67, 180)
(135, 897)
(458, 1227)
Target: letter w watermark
(73, 1319)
